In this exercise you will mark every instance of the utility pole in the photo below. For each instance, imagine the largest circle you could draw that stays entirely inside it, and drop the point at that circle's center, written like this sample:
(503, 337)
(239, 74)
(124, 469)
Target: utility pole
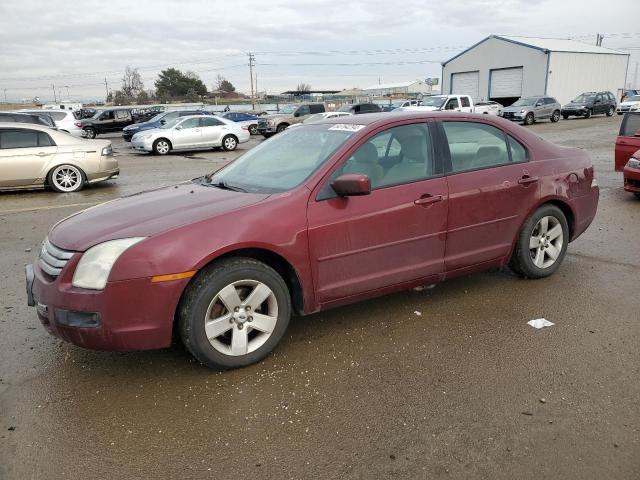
(5, 90)
(251, 65)
(635, 79)
(68, 96)
(106, 86)
(599, 38)
(55, 99)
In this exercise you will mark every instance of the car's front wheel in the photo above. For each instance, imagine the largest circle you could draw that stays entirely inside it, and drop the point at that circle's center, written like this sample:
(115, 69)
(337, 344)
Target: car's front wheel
(528, 119)
(234, 313)
(566, 117)
(588, 113)
(282, 127)
(610, 112)
(161, 146)
(556, 116)
(66, 178)
(542, 243)
(229, 143)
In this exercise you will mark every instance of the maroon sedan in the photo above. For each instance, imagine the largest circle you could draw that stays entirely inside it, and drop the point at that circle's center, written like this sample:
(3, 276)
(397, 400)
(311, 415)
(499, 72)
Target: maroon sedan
(321, 215)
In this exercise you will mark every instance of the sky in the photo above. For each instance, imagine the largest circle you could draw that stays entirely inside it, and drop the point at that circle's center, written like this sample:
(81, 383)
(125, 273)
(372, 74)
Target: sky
(327, 44)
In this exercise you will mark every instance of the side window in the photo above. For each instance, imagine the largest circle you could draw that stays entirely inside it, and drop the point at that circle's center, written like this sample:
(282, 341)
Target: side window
(518, 151)
(316, 108)
(452, 104)
(611, 97)
(599, 98)
(191, 123)
(465, 101)
(18, 139)
(44, 140)
(208, 121)
(413, 161)
(120, 114)
(107, 115)
(630, 125)
(475, 145)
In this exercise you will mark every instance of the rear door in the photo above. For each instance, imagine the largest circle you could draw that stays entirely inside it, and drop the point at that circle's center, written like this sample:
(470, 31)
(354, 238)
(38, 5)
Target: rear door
(212, 131)
(628, 141)
(491, 185)
(24, 153)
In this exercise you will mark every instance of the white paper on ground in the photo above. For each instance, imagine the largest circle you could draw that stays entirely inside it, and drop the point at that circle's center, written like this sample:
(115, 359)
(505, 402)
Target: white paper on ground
(540, 323)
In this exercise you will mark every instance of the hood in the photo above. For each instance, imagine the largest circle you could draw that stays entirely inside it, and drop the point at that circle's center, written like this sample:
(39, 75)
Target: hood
(147, 214)
(276, 115)
(630, 102)
(517, 109)
(577, 105)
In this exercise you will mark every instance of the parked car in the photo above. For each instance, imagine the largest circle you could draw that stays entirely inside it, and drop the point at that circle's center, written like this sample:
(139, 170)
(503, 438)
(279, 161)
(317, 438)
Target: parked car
(319, 117)
(105, 121)
(64, 120)
(629, 93)
(358, 108)
(488, 108)
(35, 156)
(532, 109)
(241, 118)
(269, 125)
(630, 103)
(628, 141)
(146, 113)
(322, 215)
(590, 103)
(400, 103)
(457, 103)
(631, 174)
(193, 132)
(36, 119)
(158, 121)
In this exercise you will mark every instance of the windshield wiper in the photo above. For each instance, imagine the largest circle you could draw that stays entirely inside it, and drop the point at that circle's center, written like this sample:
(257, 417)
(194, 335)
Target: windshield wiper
(225, 186)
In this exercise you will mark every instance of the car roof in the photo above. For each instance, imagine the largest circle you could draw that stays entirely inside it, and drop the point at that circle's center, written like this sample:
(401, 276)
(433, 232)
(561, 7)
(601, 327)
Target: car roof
(35, 126)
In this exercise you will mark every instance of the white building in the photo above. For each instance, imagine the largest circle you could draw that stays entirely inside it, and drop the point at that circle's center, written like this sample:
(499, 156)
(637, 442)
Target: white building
(505, 68)
(402, 88)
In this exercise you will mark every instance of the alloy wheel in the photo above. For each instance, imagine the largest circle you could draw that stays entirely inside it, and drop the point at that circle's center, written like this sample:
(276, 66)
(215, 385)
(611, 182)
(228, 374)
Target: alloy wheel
(66, 178)
(241, 317)
(546, 242)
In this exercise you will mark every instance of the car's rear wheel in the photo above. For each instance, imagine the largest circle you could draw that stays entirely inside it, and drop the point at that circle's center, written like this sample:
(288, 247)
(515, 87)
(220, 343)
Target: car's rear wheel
(90, 132)
(253, 129)
(542, 243)
(610, 112)
(234, 313)
(229, 143)
(588, 113)
(66, 178)
(528, 119)
(556, 116)
(162, 146)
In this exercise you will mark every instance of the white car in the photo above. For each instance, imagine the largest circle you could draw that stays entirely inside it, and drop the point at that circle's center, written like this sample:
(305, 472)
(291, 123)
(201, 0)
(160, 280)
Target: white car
(488, 108)
(456, 103)
(65, 120)
(630, 104)
(35, 156)
(193, 132)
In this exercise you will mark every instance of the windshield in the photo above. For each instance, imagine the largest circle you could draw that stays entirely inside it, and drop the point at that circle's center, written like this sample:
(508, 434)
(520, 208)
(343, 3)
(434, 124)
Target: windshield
(97, 114)
(288, 109)
(172, 123)
(523, 102)
(316, 117)
(584, 98)
(635, 98)
(433, 101)
(156, 118)
(283, 162)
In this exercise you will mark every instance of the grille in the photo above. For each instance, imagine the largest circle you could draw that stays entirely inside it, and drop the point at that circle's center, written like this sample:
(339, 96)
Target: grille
(53, 259)
(262, 123)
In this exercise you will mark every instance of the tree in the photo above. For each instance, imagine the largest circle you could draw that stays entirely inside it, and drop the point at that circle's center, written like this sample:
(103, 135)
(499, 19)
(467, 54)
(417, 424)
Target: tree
(119, 98)
(131, 82)
(303, 88)
(172, 83)
(224, 85)
(142, 98)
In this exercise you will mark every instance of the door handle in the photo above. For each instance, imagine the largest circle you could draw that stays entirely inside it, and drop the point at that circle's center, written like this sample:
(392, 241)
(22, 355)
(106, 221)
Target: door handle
(526, 180)
(428, 199)
(42, 154)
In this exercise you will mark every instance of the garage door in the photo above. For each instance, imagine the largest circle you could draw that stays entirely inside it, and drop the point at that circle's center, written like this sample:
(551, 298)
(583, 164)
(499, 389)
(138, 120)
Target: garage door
(467, 83)
(506, 82)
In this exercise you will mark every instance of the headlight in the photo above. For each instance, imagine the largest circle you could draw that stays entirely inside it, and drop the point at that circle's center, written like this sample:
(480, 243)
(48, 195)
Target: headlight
(633, 163)
(522, 111)
(271, 123)
(107, 151)
(95, 265)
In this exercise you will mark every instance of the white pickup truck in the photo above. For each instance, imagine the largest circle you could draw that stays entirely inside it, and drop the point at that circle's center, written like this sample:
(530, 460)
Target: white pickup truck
(457, 103)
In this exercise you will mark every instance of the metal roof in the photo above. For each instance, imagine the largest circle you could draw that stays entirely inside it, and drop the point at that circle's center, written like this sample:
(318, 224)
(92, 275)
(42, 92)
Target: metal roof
(383, 86)
(545, 45)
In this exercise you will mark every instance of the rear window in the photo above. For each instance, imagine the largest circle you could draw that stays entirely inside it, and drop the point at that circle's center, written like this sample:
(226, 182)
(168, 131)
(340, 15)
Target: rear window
(630, 125)
(57, 116)
(465, 101)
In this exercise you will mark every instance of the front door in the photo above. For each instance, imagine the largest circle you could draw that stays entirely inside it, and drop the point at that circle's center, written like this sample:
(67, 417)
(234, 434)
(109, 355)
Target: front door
(491, 189)
(393, 235)
(187, 134)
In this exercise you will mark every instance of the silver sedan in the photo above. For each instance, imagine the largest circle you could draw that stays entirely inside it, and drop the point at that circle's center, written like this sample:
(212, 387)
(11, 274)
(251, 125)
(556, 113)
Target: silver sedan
(191, 133)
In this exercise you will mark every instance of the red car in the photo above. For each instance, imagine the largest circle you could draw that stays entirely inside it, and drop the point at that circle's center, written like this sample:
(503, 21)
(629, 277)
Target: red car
(322, 215)
(627, 153)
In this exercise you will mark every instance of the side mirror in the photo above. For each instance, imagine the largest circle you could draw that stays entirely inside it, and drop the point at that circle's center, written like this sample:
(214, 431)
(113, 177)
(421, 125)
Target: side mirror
(352, 184)
(179, 127)
(637, 134)
(163, 122)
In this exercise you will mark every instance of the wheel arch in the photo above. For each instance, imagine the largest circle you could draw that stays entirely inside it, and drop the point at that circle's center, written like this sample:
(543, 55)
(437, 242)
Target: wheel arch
(51, 168)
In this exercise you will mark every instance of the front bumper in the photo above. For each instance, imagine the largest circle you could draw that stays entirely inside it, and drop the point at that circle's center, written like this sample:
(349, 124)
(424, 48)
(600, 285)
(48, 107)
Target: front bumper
(574, 111)
(513, 116)
(127, 136)
(631, 179)
(127, 315)
(142, 145)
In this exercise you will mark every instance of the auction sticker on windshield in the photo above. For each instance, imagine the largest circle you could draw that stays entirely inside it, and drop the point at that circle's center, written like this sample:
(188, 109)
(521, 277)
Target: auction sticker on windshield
(347, 127)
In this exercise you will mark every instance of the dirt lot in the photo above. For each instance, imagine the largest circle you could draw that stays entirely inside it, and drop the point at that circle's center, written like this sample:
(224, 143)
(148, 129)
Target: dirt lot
(466, 389)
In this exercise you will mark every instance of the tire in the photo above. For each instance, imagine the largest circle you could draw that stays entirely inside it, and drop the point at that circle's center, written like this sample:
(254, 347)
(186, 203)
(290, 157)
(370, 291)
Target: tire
(253, 129)
(229, 143)
(610, 112)
(588, 114)
(529, 119)
(91, 132)
(637, 194)
(619, 113)
(555, 116)
(66, 178)
(267, 135)
(161, 146)
(229, 325)
(538, 262)
(282, 127)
